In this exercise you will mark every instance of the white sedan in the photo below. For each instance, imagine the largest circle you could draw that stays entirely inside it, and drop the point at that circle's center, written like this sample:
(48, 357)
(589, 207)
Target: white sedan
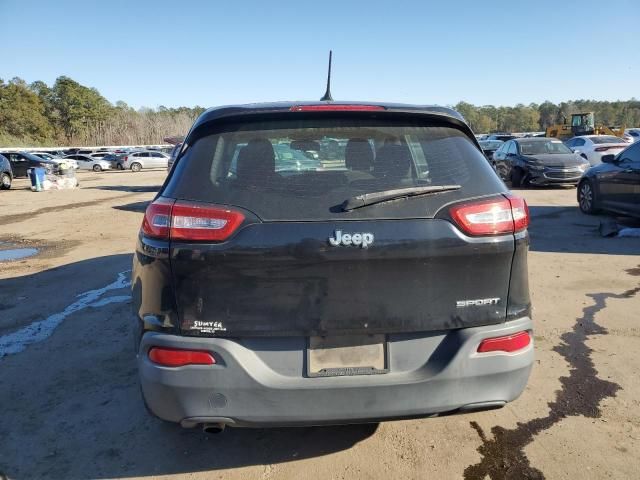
(85, 162)
(47, 156)
(594, 147)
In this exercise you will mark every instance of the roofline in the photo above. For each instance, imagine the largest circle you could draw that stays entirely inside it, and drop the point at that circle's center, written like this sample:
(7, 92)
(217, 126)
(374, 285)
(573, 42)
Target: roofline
(226, 111)
(211, 116)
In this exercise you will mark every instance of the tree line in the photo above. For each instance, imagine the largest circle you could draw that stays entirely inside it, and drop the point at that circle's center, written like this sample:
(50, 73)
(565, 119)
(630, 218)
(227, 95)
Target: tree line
(69, 113)
(537, 117)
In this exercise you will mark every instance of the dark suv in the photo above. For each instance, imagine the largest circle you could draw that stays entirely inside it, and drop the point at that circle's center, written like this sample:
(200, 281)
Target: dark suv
(388, 281)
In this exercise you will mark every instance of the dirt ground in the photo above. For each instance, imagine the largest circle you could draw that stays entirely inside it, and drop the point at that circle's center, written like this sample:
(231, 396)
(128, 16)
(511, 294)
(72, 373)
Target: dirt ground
(70, 399)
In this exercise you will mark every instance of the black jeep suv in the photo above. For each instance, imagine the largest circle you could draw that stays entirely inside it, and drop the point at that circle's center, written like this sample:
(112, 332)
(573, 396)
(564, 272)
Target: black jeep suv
(384, 278)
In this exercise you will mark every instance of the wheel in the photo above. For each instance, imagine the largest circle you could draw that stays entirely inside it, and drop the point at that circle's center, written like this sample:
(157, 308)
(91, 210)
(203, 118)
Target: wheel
(587, 197)
(97, 168)
(136, 167)
(5, 181)
(516, 178)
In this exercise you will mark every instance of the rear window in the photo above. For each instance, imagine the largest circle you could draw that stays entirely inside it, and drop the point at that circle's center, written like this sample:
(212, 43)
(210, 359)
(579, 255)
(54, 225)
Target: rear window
(306, 169)
(542, 147)
(607, 139)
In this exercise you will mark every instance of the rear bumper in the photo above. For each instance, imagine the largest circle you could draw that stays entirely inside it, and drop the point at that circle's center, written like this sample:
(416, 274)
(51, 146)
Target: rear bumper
(261, 382)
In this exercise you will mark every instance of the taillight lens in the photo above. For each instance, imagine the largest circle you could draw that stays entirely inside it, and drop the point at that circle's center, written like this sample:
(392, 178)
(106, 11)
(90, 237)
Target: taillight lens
(508, 214)
(157, 218)
(336, 108)
(192, 221)
(126, 159)
(508, 343)
(172, 357)
(604, 149)
(189, 221)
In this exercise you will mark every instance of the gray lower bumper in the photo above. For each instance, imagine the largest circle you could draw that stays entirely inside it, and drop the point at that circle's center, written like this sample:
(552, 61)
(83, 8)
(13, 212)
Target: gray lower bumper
(261, 381)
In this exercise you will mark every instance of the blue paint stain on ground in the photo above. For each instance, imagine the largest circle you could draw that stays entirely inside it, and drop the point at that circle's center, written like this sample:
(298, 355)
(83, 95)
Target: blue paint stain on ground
(17, 253)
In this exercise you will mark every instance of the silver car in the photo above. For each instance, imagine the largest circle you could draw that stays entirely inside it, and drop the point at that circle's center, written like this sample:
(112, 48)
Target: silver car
(136, 161)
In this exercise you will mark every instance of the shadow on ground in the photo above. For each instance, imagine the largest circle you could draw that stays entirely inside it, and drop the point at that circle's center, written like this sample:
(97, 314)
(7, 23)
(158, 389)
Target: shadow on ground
(128, 188)
(564, 229)
(71, 405)
(139, 207)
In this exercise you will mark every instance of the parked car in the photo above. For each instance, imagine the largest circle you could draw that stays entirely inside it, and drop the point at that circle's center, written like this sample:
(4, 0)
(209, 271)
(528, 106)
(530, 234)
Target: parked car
(174, 154)
(100, 154)
(593, 147)
(503, 137)
(538, 161)
(6, 174)
(45, 155)
(393, 284)
(57, 160)
(23, 161)
(613, 185)
(136, 161)
(489, 147)
(634, 133)
(56, 153)
(85, 162)
(116, 160)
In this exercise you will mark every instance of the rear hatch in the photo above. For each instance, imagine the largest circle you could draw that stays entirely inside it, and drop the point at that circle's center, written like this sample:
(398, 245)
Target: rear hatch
(271, 234)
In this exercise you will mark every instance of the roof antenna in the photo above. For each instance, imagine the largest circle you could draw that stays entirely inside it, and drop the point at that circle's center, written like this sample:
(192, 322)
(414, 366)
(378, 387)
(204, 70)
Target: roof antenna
(327, 95)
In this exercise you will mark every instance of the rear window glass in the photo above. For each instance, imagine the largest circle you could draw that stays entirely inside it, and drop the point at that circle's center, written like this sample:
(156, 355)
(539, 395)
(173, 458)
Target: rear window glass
(541, 147)
(305, 170)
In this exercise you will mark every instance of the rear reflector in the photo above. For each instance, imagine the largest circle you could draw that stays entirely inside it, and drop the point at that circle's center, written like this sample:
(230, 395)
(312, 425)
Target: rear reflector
(508, 214)
(171, 357)
(508, 343)
(336, 108)
(189, 221)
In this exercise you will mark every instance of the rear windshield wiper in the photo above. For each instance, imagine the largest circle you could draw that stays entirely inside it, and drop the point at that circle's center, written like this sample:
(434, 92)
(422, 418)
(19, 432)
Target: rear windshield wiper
(360, 201)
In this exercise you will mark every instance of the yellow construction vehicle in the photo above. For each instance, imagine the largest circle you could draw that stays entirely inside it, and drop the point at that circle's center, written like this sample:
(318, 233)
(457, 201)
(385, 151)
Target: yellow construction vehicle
(582, 123)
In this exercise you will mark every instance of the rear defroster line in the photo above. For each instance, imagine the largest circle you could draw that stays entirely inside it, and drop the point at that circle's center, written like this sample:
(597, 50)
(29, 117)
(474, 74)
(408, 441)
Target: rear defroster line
(581, 393)
(35, 332)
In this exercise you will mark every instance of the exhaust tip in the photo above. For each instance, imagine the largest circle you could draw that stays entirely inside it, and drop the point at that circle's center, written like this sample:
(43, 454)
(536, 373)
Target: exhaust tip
(213, 428)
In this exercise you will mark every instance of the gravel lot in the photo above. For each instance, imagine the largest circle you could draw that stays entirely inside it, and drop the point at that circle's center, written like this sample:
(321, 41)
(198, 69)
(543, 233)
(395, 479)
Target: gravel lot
(69, 394)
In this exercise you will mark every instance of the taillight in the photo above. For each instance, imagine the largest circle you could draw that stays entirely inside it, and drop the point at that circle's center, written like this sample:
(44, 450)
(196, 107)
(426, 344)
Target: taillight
(172, 357)
(157, 218)
(508, 343)
(492, 217)
(190, 221)
(126, 159)
(336, 108)
(604, 149)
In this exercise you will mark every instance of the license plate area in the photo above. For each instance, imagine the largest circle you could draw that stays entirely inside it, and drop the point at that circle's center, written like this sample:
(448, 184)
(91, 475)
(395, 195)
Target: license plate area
(347, 355)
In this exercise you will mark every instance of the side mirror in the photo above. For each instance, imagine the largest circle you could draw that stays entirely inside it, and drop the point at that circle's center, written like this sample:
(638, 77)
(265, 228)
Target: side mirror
(608, 158)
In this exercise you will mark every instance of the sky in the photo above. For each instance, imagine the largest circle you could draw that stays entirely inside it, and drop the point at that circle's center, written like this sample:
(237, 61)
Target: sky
(207, 53)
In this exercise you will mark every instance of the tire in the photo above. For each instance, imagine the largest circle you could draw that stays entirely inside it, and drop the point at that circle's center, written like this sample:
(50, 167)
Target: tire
(5, 181)
(587, 197)
(516, 178)
(136, 167)
(97, 168)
